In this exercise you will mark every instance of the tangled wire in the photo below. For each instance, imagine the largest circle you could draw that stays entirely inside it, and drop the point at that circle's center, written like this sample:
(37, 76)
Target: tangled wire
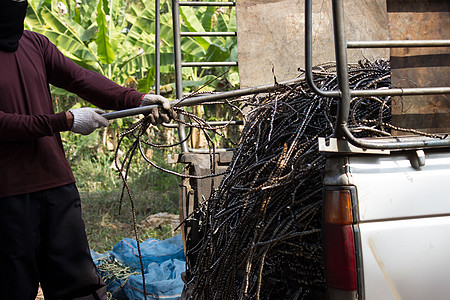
(261, 229)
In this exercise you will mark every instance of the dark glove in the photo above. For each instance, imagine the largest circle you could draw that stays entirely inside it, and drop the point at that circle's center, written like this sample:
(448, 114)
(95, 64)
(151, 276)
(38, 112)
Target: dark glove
(87, 119)
(159, 114)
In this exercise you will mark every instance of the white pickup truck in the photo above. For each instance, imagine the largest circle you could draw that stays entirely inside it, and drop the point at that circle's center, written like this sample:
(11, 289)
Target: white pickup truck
(387, 224)
(386, 219)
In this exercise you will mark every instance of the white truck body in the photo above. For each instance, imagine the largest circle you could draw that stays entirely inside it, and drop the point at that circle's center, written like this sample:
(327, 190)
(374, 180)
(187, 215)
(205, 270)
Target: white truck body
(402, 222)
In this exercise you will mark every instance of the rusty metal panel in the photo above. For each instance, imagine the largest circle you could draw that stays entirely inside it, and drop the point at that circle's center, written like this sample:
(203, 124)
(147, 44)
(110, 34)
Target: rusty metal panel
(271, 36)
(420, 67)
(194, 193)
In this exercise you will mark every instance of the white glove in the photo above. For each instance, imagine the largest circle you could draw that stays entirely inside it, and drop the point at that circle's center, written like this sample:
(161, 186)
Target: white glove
(87, 119)
(158, 114)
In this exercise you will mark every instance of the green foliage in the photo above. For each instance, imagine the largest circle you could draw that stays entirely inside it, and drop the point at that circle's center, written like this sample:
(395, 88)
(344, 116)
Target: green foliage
(100, 186)
(104, 49)
(205, 49)
(152, 191)
(116, 38)
(89, 162)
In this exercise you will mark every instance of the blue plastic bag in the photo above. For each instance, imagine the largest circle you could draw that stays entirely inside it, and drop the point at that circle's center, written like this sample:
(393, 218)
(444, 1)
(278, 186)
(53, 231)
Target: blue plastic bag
(162, 281)
(163, 262)
(152, 250)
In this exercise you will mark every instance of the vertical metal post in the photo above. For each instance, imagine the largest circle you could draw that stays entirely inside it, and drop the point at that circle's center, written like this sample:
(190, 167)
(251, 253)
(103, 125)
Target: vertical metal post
(308, 54)
(340, 46)
(178, 71)
(157, 47)
(308, 41)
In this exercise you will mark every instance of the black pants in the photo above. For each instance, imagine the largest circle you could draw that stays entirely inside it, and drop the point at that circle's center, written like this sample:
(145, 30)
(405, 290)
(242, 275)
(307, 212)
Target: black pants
(43, 239)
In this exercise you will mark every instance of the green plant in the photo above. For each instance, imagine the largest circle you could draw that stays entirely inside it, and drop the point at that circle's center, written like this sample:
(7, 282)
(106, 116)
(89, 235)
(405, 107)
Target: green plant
(204, 49)
(116, 39)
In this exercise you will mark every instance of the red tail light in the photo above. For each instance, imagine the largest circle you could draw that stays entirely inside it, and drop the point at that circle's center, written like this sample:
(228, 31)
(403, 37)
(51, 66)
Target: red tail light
(339, 242)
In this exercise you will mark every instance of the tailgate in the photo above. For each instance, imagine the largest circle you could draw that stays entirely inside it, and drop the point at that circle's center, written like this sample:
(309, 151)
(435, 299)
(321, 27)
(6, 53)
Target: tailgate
(403, 225)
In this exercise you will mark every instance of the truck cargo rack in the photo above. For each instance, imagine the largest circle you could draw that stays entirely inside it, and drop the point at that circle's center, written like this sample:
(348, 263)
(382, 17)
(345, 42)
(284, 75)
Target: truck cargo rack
(177, 34)
(344, 93)
(202, 99)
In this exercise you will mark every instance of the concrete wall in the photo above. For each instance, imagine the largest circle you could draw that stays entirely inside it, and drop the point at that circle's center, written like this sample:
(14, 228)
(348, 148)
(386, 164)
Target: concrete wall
(271, 36)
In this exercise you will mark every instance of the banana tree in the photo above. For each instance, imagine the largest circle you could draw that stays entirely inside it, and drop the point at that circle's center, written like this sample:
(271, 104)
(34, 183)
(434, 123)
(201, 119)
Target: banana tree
(100, 35)
(116, 37)
(206, 49)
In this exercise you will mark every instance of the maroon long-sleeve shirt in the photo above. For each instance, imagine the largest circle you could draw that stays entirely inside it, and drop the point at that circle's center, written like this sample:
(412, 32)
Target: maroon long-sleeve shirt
(32, 157)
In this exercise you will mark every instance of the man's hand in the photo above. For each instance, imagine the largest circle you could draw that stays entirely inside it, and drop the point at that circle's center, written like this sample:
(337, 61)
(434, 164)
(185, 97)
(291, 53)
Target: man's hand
(87, 119)
(158, 115)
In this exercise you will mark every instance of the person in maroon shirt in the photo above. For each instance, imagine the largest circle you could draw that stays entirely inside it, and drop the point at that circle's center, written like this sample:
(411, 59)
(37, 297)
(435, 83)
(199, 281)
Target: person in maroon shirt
(42, 234)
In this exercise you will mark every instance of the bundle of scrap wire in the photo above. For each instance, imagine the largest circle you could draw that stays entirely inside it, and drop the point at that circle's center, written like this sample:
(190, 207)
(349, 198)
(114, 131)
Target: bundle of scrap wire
(261, 229)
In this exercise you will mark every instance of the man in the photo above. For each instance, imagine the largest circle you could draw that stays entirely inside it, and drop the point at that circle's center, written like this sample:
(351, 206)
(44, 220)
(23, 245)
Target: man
(42, 235)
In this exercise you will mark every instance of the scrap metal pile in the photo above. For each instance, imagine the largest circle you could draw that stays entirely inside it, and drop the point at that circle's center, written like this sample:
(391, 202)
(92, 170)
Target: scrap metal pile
(261, 229)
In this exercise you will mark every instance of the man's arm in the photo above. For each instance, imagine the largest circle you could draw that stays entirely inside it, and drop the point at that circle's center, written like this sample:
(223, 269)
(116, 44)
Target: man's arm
(16, 127)
(87, 84)
(96, 88)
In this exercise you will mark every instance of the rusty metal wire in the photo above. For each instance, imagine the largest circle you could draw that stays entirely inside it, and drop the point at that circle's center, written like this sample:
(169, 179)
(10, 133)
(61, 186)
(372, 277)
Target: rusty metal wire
(262, 227)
